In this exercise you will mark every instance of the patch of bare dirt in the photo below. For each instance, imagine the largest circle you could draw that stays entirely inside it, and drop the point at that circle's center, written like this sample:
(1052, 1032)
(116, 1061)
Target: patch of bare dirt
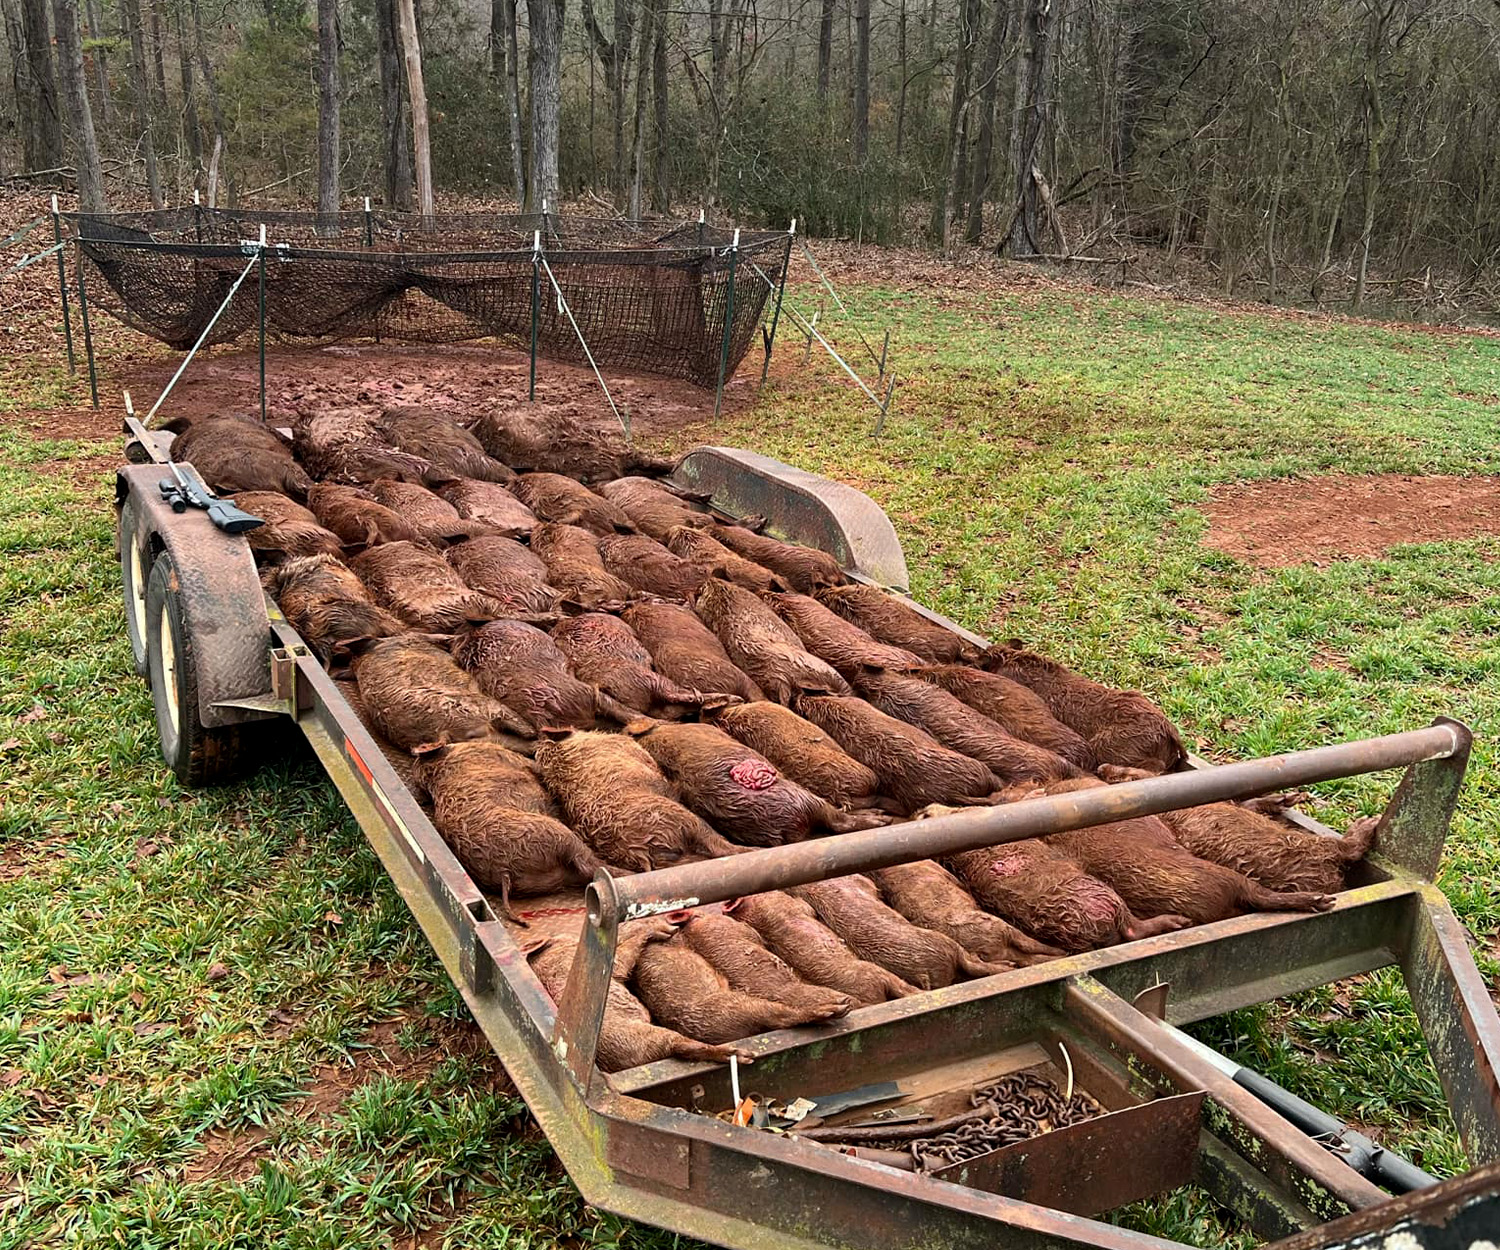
(1315, 520)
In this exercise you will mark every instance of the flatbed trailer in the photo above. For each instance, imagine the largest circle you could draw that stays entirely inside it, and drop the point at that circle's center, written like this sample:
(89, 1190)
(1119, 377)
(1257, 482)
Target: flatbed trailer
(232, 680)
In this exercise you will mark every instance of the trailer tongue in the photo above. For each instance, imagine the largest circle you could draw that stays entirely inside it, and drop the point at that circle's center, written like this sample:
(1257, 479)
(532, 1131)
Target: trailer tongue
(1002, 1112)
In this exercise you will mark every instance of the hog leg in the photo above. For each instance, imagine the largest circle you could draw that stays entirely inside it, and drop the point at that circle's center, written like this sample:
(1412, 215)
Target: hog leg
(1358, 839)
(1134, 929)
(1257, 896)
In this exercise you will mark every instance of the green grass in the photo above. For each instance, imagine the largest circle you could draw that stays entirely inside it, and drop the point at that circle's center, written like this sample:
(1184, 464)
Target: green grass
(1043, 467)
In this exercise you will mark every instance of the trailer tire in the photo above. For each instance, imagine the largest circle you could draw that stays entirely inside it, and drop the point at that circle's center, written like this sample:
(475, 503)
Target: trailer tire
(136, 558)
(199, 755)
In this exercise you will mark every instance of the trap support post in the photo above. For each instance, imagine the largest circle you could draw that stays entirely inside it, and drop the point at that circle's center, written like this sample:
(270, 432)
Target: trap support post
(369, 225)
(536, 308)
(261, 316)
(62, 286)
(88, 336)
(786, 263)
(734, 258)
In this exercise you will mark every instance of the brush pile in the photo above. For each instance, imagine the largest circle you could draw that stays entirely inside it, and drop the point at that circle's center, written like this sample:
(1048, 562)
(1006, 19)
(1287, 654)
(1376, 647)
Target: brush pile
(577, 665)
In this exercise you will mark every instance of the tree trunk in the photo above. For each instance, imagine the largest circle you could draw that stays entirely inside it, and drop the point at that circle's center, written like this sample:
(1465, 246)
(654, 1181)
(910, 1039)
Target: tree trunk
(1032, 79)
(901, 73)
(624, 29)
(75, 94)
(948, 190)
(861, 81)
(140, 96)
(396, 141)
(825, 48)
(660, 189)
(417, 88)
(989, 79)
(216, 111)
(513, 102)
(328, 111)
(157, 60)
(190, 124)
(43, 142)
(546, 102)
(20, 82)
(1380, 13)
(94, 14)
(649, 17)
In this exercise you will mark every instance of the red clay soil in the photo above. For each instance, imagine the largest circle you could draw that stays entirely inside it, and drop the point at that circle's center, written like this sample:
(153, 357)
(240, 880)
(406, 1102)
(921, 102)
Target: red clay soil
(1314, 520)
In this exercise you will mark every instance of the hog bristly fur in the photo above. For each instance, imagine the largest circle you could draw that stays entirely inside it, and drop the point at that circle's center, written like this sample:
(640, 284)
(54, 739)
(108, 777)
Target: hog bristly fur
(324, 601)
(736, 951)
(575, 566)
(1014, 707)
(929, 895)
(806, 569)
(890, 620)
(800, 749)
(419, 586)
(762, 644)
(685, 650)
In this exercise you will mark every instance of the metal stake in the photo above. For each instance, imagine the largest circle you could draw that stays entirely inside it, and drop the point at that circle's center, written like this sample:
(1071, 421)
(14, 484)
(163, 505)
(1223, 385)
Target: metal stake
(734, 258)
(536, 303)
(88, 337)
(700, 227)
(885, 346)
(786, 263)
(369, 229)
(62, 286)
(261, 256)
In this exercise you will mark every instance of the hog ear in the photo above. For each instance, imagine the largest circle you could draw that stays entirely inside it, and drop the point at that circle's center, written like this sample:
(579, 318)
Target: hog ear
(555, 733)
(640, 726)
(716, 703)
(431, 750)
(571, 607)
(755, 522)
(353, 646)
(871, 670)
(534, 944)
(679, 917)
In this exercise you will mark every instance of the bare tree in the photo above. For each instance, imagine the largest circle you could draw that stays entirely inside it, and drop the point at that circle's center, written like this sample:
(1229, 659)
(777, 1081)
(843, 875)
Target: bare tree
(417, 89)
(545, 24)
(91, 197)
(513, 101)
(191, 127)
(328, 108)
(861, 81)
(395, 144)
(95, 17)
(216, 112)
(825, 48)
(140, 96)
(989, 86)
(42, 142)
(660, 188)
(1030, 124)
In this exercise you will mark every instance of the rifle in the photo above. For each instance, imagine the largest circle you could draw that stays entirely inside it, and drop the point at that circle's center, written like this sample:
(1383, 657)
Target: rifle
(185, 489)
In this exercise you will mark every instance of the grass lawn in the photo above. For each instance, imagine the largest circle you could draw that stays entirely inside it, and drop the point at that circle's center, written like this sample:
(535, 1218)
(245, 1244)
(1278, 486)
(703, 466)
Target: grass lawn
(218, 1025)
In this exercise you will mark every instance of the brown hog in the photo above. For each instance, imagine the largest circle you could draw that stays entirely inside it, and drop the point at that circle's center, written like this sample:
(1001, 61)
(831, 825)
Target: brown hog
(806, 569)
(738, 789)
(603, 651)
(685, 650)
(891, 620)
(490, 505)
(505, 571)
(1049, 896)
(687, 993)
(791, 929)
(494, 815)
(446, 445)
(290, 529)
(417, 695)
(851, 907)
(800, 749)
(736, 950)
(522, 667)
(324, 601)
(914, 768)
(550, 439)
(344, 445)
(402, 763)
(238, 453)
(564, 501)
(1012, 706)
(627, 1038)
(647, 566)
(614, 795)
(762, 644)
(420, 587)
(575, 567)
(433, 517)
(1278, 856)
(652, 508)
(1121, 726)
(929, 895)
(705, 553)
(830, 637)
(352, 513)
(960, 728)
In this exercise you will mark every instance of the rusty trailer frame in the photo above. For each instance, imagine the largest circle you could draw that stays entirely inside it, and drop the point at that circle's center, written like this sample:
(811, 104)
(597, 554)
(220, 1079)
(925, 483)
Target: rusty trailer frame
(645, 1143)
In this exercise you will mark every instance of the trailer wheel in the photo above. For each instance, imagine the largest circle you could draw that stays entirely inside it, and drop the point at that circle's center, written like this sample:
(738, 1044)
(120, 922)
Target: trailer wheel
(199, 755)
(135, 569)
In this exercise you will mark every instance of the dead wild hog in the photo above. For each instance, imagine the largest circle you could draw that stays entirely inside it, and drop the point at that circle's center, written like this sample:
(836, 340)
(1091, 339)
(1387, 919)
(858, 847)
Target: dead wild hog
(738, 789)
(929, 895)
(1048, 896)
(806, 569)
(505, 571)
(687, 993)
(353, 514)
(762, 644)
(522, 667)
(791, 929)
(416, 694)
(1121, 726)
(442, 442)
(433, 517)
(490, 504)
(492, 811)
(614, 795)
(685, 650)
(705, 553)
(420, 587)
(800, 749)
(551, 439)
(914, 767)
(237, 453)
(1277, 855)
(603, 651)
(627, 1038)
(886, 617)
(289, 529)
(649, 567)
(344, 445)
(830, 637)
(1014, 707)
(560, 499)
(575, 567)
(402, 763)
(652, 508)
(736, 951)
(324, 601)
(851, 907)
(960, 728)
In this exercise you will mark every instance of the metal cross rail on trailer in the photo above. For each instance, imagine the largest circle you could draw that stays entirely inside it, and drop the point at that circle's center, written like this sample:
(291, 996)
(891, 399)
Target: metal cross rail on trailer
(231, 679)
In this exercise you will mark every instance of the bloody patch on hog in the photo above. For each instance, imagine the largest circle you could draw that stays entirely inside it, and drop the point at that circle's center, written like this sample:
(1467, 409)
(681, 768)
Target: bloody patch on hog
(800, 749)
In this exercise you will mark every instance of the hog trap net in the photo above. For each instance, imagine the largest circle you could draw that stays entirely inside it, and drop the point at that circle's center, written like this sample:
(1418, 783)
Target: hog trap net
(679, 300)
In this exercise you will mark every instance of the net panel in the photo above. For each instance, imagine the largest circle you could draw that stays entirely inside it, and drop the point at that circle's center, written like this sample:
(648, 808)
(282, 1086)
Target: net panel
(647, 296)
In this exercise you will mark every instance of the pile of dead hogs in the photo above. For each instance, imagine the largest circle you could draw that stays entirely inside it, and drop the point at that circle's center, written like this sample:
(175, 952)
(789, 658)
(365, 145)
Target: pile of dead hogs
(577, 666)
